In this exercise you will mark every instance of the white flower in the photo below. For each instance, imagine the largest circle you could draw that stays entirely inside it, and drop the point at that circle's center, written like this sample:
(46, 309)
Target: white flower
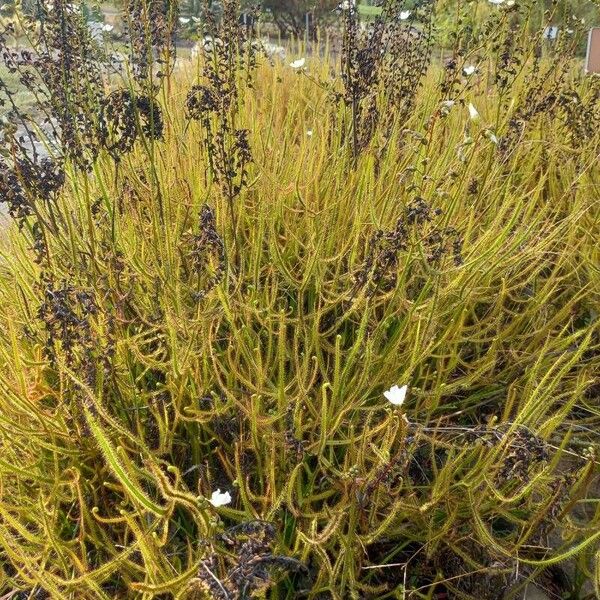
(404, 15)
(309, 133)
(196, 19)
(396, 395)
(272, 50)
(184, 20)
(219, 498)
(446, 107)
(473, 113)
(298, 64)
(510, 3)
(107, 27)
(490, 135)
(469, 70)
(496, 1)
(347, 4)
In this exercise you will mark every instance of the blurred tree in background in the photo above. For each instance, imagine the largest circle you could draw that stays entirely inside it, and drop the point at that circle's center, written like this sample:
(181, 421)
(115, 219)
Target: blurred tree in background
(473, 13)
(290, 15)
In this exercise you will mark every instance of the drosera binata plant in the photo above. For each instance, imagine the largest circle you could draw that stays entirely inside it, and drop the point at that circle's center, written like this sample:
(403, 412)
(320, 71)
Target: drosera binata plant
(382, 67)
(386, 387)
(228, 66)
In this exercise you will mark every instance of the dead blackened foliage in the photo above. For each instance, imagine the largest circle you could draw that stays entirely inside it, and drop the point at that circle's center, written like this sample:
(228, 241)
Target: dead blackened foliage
(124, 116)
(248, 567)
(581, 115)
(379, 271)
(63, 73)
(78, 333)
(23, 182)
(383, 66)
(229, 62)
(523, 451)
(201, 101)
(151, 26)
(546, 90)
(66, 313)
(203, 255)
(473, 572)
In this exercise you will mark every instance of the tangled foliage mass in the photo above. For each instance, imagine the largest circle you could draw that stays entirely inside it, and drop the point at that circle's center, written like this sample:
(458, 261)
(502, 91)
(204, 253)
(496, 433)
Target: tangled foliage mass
(214, 274)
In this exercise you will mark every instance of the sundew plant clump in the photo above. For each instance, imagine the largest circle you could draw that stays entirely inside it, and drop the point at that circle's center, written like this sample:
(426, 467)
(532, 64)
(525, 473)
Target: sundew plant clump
(321, 324)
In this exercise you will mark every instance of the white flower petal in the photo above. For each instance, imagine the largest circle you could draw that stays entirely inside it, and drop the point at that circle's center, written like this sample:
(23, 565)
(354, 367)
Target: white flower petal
(219, 498)
(496, 2)
(396, 395)
(469, 70)
(404, 15)
(107, 27)
(473, 113)
(309, 133)
(184, 20)
(298, 64)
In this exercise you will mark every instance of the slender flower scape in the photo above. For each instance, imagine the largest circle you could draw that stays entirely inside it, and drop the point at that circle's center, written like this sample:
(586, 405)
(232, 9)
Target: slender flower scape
(151, 26)
(219, 498)
(228, 65)
(396, 395)
(383, 64)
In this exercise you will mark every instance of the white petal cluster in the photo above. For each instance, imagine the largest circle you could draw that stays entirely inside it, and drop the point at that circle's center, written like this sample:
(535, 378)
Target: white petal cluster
(298, 64)
(396, 395)
(219, 498)
(473, 112)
